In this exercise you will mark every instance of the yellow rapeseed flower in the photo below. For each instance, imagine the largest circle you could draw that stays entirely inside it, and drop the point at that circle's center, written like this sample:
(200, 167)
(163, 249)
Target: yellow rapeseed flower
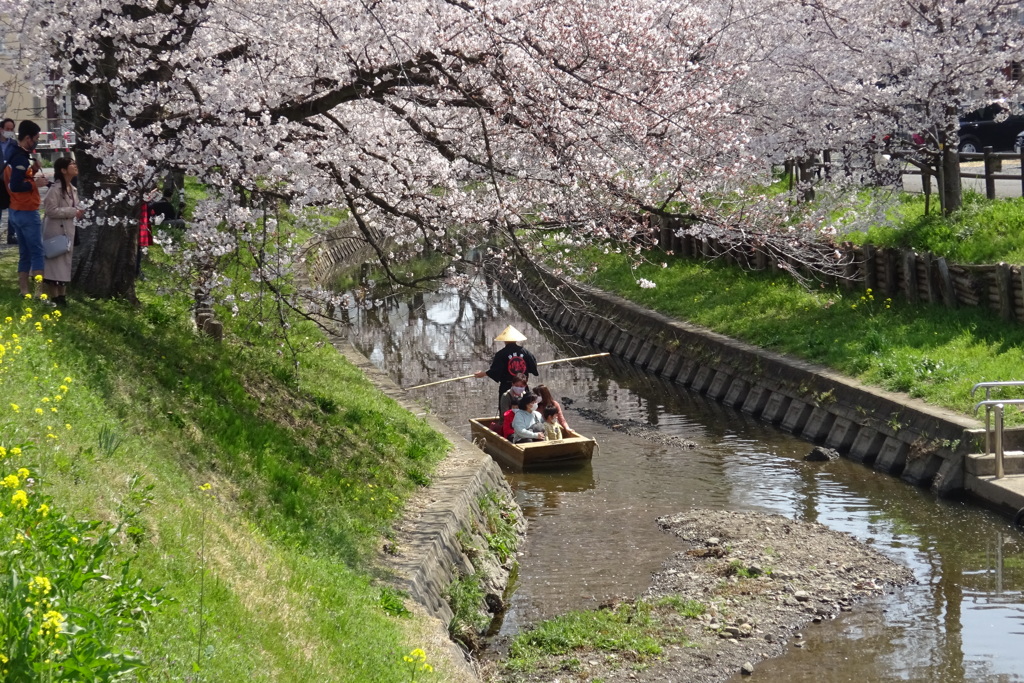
(14, 407)
(63, 389)
(67, 380)
(23, 473)
(44, 510)
(38, 278)
(15, 451)
(39, 585)
(45, 399)
(39, 411)
(8, 320)
(11, 481)
(19, 499)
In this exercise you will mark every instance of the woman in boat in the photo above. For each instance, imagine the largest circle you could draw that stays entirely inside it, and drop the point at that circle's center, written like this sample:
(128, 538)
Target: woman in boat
(512, 396)
(546, 399)
(527, 424)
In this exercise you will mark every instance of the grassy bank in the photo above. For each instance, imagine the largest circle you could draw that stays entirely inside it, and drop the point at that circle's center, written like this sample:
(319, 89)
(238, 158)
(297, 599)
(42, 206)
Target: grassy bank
(250, 496)
(983, 231)
(929, 352)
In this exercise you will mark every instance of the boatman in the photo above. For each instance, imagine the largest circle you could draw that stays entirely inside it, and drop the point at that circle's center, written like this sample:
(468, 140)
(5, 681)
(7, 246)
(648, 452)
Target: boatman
(510, 361)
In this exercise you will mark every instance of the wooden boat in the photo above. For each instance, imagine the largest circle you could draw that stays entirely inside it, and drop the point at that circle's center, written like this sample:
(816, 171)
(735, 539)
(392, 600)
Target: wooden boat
(572, 449)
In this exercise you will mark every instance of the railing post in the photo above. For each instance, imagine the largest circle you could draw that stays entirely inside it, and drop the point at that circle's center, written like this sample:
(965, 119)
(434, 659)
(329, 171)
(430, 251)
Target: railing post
(990, 182)
(988, 421)
(999, 441)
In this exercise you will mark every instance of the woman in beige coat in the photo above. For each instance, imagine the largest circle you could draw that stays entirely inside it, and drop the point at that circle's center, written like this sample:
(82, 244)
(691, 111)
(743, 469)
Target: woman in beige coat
(61, 210)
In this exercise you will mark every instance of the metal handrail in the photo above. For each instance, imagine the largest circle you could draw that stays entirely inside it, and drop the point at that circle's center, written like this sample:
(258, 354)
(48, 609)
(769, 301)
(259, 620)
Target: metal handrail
(989, 386)
(998, 406)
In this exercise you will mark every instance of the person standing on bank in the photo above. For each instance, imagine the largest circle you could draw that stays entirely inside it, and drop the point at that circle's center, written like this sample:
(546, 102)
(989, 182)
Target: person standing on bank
(61, 210)
(23, 178)
(510, 361)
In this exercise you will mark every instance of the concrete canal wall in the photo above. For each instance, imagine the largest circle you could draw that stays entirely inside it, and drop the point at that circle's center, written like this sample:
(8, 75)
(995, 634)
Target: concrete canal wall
(893, 433)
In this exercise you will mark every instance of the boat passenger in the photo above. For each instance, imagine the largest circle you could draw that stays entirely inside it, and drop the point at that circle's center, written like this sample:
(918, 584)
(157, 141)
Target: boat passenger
(512, 396)
(527, 424)
(546, 400)
(552, 430)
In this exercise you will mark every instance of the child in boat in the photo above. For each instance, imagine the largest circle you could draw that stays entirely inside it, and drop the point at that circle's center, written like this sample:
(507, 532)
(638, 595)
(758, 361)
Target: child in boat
(552, 430)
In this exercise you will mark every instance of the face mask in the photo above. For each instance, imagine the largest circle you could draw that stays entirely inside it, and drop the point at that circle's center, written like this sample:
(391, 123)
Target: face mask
(9, 134)
(518, 391)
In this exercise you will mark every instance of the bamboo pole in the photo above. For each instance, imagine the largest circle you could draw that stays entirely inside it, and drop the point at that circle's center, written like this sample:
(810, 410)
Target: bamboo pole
(547, 362)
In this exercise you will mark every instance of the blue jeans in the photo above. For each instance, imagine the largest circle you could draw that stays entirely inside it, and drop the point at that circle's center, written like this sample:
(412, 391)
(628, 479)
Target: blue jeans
(28, 228)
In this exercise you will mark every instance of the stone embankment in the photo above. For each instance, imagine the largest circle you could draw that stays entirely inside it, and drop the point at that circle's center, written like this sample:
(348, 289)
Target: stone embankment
(434, 543)
(893, 433)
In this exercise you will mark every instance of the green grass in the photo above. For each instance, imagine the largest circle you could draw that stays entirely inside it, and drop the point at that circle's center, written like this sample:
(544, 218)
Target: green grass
(930, 352)
(983, 231)
(308, 467)
(628, 628)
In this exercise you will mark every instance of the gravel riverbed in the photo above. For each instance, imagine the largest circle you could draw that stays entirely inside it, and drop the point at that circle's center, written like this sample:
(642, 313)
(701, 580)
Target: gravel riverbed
(764, 580)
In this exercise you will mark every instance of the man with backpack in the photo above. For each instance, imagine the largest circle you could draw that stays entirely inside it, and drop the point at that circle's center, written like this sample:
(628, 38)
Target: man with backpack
(23, 178)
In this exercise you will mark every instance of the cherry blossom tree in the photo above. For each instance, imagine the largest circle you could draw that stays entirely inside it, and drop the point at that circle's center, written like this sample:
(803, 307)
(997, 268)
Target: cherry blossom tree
(432, 124)
(866, 75)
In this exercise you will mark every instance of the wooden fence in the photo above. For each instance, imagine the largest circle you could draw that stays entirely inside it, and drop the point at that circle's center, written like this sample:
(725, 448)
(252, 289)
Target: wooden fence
(917, 277)
(991, 170)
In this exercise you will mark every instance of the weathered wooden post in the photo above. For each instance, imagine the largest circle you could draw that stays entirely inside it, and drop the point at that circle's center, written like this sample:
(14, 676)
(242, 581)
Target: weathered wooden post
(1004, 284)
(870, 268)
(948, 288)
(990, 169)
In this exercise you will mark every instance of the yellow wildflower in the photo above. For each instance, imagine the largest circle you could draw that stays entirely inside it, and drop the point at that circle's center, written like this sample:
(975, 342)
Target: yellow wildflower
(67, 380)
(67, 426)
(19, 499)
(15, 451)
(44, 399)
(39, 411)
(39, 585)
(28, 296)
(63, 389)
(23, 473)
(44, 510)
(11, 481)
(14, 407)
(3, 452)
(38, 278)
(8, 320)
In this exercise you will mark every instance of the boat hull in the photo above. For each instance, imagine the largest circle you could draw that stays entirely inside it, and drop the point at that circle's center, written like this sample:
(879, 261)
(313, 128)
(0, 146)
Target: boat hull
(536, 455)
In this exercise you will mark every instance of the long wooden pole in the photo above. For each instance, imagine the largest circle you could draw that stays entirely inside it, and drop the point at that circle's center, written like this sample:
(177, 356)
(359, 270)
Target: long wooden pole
(547, 362)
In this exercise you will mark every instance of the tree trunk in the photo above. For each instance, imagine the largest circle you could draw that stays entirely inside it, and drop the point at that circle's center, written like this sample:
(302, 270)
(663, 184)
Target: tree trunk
(949, 157)
(952, 188)
(106, 259)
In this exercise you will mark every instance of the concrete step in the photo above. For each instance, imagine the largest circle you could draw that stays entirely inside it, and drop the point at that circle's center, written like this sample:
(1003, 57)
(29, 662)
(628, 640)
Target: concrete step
(982, 465)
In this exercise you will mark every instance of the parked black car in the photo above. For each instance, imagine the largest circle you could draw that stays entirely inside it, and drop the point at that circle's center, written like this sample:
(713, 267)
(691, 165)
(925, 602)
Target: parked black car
(980, 129)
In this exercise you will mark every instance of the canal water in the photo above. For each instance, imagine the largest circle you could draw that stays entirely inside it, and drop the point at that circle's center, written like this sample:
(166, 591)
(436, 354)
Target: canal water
(592, 531)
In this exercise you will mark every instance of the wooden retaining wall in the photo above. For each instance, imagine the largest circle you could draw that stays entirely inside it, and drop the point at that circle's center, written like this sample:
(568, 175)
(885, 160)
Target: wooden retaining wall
(914, 276)
(892, 433)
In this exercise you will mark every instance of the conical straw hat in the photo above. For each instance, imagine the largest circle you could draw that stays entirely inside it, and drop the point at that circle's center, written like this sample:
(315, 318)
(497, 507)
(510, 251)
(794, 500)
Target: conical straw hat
(510, 334)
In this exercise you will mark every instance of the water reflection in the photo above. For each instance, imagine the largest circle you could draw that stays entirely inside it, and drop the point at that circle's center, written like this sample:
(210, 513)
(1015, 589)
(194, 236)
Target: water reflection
(592, 531)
